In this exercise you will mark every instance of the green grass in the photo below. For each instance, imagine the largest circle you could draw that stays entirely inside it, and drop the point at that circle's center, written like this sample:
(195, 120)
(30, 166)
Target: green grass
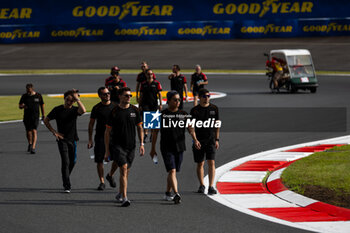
(10, 110)
(329, 170)
(135, 71)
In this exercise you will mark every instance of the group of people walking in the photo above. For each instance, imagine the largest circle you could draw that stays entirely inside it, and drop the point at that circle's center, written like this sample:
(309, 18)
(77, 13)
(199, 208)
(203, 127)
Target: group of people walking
(117, 122)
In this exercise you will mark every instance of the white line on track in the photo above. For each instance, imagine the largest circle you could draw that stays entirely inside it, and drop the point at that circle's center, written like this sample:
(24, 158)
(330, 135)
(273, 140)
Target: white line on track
(238, 204)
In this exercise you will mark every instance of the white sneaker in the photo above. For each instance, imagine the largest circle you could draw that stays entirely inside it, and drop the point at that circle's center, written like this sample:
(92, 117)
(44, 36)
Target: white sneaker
(168, 197)
(67, 190)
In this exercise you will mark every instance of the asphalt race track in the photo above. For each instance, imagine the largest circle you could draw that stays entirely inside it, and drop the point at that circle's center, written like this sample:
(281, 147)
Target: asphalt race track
(31, 198)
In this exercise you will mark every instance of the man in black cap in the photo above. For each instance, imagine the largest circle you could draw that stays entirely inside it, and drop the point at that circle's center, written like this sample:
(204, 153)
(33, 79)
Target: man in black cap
(114, 83)
(172, 143)
(30, 102)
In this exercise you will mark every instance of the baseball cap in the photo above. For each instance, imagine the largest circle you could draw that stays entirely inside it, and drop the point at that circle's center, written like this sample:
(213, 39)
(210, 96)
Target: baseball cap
(115, 69)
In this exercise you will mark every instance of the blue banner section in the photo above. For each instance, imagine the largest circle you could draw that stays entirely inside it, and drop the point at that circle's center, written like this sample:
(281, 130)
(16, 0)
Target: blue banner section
(94, 20)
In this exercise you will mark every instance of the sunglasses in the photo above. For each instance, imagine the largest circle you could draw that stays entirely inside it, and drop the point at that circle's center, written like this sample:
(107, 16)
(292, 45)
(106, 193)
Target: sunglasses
(205, 96)
(128, 96)
(150, 73)
(106, 94)
(177, 100)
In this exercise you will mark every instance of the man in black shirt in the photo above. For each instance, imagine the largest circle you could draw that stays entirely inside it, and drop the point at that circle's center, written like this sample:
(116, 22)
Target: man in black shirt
(120, 139)
(208, 138)
(66, 134)
(172, 142)
(178, 83)
(30, 102)
(198, 80)
(142, 77)
(100, 113)
(150, 94)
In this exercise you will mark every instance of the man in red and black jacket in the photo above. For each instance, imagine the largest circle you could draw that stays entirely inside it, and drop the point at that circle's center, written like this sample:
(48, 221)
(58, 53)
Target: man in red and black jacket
(114, 83)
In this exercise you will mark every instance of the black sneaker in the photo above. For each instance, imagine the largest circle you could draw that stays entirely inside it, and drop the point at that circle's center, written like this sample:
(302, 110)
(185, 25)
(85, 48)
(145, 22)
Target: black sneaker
(212, 191)
(29, 147)
(32, 151)
(125, 203)
(201, 189)
(119, 198)
(177, 198)
(102, 186)
(111, 181)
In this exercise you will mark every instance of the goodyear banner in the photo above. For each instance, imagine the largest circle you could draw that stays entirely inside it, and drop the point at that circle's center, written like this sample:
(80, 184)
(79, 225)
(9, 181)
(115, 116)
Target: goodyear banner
(96, 20)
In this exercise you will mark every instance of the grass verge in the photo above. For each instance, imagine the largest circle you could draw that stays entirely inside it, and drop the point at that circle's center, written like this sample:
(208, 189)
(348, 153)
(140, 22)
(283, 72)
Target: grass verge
(136, 71)
(10, 110)
(324, 176)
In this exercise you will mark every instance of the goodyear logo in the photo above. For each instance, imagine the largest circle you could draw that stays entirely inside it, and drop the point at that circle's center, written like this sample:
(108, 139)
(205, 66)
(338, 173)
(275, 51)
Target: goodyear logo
(79, 32)
(128, 9)
(268, 6)
(332, 27)
(147, 31)
(207, 30)
(270, 28)
(15, 13)
(19, 34)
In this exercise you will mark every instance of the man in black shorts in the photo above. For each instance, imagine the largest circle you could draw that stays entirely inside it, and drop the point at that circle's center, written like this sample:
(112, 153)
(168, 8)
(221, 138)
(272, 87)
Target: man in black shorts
(150, 94)
(208, 138)
(198, 80)
(100, 113)
(114, 83)
(30, 102)
(178, 83)
(120, 139)
(66, 134)
(172, 143)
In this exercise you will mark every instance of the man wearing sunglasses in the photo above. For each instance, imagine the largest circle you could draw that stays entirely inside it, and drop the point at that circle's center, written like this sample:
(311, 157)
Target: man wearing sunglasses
(120, 140)
(172, 144)
(142, 77)
(66, 134)
(150, 95)
(100, 113)
(208, 138)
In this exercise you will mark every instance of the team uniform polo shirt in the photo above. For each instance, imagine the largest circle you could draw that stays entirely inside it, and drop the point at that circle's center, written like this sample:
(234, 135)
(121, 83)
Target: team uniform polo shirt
(111, 81)
(195, 78)
(123, 123)
(177, 83)
(32, 103)
(150, 93)
(204, 113)
(100, 112)
(66, 119)
(173, 138)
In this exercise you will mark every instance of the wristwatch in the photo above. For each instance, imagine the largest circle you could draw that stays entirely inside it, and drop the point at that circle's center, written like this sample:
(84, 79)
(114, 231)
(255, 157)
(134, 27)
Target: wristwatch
(216, 139)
